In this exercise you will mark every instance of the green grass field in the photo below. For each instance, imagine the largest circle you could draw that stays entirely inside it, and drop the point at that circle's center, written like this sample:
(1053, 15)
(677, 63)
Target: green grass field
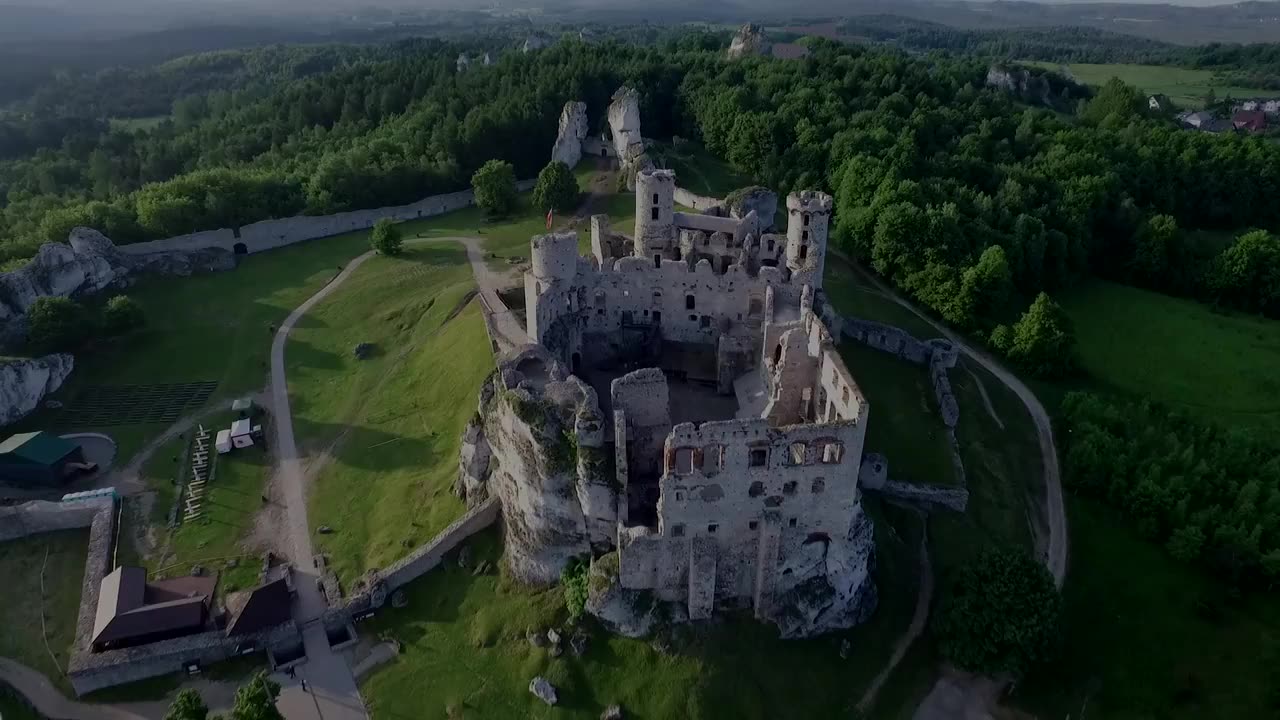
(1178, 352)
(905, 425)
(1147, 637)
(698, 171)
(216, 540)
(853, 295)
(467, 635)
(1185, 87)
(393, 421)
(22, 604)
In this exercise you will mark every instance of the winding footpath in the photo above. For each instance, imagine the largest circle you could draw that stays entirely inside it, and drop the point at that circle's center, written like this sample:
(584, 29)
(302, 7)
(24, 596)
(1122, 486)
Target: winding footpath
(966, 696)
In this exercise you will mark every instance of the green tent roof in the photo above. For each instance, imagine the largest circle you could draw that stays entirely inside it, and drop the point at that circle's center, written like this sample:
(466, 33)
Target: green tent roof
(37, 447)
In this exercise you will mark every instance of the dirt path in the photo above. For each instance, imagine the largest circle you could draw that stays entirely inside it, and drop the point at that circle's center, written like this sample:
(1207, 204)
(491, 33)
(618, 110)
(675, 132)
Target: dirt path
(923, 600)
(986, 399)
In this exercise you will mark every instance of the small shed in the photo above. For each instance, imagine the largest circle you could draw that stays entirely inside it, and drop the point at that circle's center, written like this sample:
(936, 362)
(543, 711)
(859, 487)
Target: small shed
(242, 433)
(243, 408)
(223, 442)
(39, 459)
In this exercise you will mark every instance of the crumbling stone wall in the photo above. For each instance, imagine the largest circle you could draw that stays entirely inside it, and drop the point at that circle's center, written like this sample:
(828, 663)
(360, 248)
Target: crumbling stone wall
(270, 234)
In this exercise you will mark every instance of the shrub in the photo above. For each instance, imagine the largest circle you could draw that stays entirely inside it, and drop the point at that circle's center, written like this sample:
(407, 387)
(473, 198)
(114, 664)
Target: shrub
(386, 237)
(1001, 614)
(573, 581)
(556, 189)
(1042, 342)
(121, 315)
(57, 323)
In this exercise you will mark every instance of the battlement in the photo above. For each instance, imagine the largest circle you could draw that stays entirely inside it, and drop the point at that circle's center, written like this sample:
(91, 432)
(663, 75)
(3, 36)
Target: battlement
(656, 175)
(810, 201)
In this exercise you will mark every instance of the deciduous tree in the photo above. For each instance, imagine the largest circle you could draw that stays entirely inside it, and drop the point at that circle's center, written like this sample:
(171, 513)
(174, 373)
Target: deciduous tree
(495, 187)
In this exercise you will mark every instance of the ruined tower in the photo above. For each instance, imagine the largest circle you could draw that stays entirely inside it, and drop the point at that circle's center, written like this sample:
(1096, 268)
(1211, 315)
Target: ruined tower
(655, 209)
(554, 260)
(808, 214)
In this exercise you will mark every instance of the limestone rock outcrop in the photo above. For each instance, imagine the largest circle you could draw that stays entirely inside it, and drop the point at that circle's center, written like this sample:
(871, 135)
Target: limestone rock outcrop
(573, 130)
(750, 40)
(473, 464)
(548, 466)
(87, 264)
(630, 613)
(1021, 83)
(24, 383)
(628, 143)
(826, 584)
(762, 201)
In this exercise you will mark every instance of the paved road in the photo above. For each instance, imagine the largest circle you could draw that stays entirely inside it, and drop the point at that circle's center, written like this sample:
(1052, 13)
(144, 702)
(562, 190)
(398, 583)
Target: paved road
(334, 695)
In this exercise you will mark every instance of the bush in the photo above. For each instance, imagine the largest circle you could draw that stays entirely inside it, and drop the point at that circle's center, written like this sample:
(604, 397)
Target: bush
(1000, 615)
(122, 315)
(386, 237)
(57, 323)
(495, 188)
(573, 581)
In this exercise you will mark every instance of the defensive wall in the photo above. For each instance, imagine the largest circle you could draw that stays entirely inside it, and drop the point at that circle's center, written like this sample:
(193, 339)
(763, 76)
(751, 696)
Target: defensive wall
(701, 203)
(269, 234)
(423, 559)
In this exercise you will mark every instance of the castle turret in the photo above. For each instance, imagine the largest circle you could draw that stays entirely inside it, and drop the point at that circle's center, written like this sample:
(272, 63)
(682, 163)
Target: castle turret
(655, 208)
(555, 256)
(808, 214)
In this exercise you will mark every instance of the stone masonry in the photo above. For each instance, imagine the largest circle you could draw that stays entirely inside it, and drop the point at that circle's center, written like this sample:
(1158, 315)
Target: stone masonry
(683, 417)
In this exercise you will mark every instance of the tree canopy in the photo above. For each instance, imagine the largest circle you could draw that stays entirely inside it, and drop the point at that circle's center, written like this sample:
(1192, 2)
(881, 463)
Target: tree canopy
(557, 189)
(386, 238)
(495, 187)
(1001, 614)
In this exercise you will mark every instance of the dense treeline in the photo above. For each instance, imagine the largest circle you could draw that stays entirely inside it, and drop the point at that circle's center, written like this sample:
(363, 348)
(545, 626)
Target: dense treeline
(1254, 65)
(367, 135)
(930, 168)
(1208, 494)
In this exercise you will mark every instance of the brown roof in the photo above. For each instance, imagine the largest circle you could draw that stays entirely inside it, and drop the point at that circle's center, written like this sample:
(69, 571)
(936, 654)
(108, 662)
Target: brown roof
(260, 608)
(1249, 120)
(129, 607)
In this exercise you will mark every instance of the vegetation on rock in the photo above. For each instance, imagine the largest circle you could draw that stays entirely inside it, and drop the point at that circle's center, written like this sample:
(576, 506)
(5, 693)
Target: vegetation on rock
(57, 323)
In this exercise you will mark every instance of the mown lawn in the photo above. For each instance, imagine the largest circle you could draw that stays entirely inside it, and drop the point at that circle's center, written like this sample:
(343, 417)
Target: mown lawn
(391, 424)
(905, 425)
(1179, 352)
(22, 603)
(1148, 637)
(1185, 87)
(465, 652)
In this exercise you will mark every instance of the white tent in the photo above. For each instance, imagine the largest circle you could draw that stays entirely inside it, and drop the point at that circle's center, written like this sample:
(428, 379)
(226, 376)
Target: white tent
(223, 443)
(241, 433)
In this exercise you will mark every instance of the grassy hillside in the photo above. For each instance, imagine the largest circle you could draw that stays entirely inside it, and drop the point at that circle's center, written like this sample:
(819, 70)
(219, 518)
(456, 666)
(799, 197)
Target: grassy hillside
(23, 605)
(1179, 352)
(468, 635)
(1148, 637)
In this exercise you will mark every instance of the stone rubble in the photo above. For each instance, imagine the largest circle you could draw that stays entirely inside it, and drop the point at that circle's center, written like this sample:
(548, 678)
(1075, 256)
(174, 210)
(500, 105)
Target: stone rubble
(543, 690)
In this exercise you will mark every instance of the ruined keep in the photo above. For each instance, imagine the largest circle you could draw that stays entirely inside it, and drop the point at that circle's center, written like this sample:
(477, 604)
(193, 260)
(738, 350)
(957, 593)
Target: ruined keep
(683, 418)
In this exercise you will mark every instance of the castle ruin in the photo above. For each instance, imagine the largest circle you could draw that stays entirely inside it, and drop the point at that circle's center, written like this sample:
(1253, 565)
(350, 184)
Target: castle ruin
(682, 417)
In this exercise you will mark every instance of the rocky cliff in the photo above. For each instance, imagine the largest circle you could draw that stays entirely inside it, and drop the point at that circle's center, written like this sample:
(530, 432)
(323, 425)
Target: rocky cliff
(544, 435)
(763, 201)
(624, 124)
(826, 584)
(89, 263)
(573, 129)
(24, 383)
(750, 40)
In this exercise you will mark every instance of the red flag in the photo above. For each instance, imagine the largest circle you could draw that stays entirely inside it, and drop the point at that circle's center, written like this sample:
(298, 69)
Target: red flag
(551, 214)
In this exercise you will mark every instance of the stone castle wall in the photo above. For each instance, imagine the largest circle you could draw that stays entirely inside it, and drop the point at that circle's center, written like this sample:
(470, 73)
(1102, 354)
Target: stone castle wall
(269, 234)
(427, 557)
(701, 203)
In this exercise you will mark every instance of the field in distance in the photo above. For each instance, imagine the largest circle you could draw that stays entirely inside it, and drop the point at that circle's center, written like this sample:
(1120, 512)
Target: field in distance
(1185, 87)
